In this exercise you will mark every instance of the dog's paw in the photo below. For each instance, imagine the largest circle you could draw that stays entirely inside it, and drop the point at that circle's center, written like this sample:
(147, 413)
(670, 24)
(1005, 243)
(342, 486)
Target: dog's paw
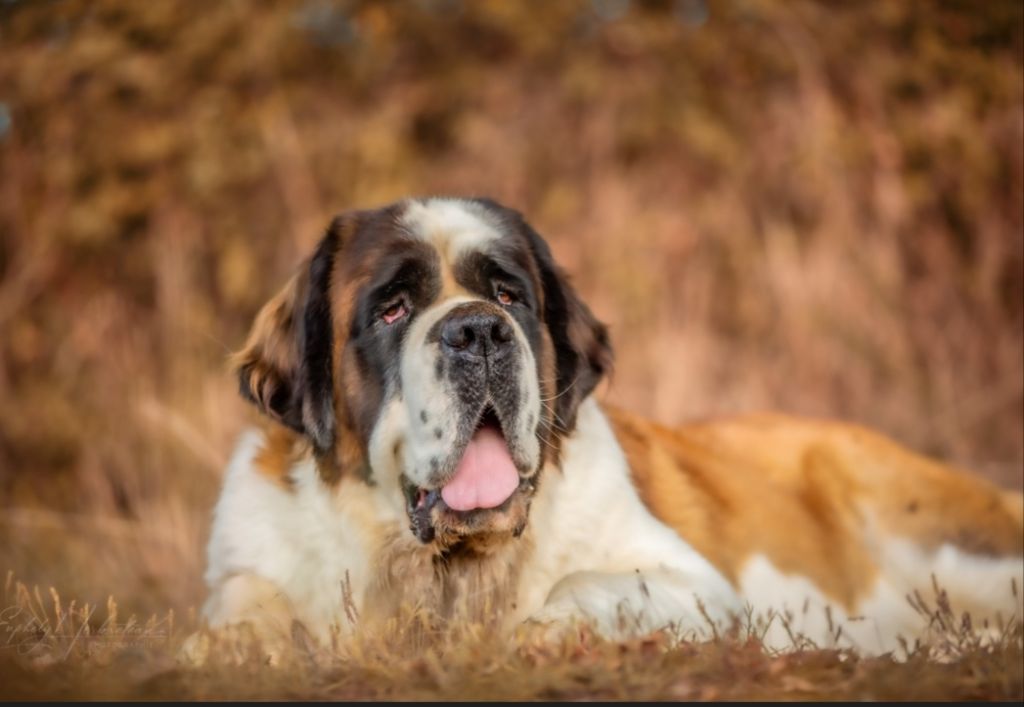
(550, 627)
(195, 651)
(235, 644)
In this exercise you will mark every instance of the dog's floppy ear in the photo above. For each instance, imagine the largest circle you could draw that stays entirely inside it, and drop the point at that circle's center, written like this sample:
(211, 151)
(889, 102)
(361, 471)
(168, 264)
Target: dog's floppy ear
(285, 366)
(583, 352)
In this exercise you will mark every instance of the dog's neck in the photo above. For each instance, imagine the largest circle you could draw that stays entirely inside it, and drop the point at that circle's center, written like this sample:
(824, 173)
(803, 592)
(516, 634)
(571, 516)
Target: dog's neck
(476, 581)
(477, 585)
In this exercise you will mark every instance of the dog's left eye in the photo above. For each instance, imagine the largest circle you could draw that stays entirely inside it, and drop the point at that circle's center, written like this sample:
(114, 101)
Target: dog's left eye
(505, 297)
(393, 313)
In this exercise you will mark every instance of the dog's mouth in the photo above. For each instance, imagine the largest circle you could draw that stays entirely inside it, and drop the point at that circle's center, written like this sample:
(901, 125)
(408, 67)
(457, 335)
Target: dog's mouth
(484, 486)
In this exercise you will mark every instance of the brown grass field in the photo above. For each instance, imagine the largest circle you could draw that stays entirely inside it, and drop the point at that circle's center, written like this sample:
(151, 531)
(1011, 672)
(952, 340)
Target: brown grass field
(815, 207)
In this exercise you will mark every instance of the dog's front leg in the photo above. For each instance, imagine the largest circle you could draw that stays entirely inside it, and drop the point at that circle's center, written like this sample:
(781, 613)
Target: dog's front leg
(244, 613)
(620, 605)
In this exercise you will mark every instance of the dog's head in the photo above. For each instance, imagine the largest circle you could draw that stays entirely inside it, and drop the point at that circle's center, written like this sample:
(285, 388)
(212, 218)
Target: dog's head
(433, 348)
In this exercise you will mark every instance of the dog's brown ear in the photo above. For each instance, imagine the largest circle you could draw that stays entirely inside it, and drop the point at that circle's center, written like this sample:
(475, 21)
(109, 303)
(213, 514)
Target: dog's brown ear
(583, 351)
(285, 366)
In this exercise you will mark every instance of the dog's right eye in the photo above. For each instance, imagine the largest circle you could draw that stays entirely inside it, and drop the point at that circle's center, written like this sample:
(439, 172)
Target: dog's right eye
(395, 312)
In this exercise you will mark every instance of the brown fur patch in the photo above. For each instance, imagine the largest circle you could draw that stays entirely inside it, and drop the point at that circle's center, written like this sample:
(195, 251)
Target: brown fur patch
(270, 355)
(350, 454)
(280, 450)
(547, 379)
(806, 495)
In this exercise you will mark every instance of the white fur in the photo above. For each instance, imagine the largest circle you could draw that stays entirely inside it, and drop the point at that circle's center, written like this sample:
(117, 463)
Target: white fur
(790, 610)
(597, 544)
(301, 540)
(453, 226)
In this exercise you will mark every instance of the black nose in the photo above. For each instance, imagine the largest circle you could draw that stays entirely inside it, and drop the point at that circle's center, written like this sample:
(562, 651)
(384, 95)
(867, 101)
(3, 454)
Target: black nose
(476, 334)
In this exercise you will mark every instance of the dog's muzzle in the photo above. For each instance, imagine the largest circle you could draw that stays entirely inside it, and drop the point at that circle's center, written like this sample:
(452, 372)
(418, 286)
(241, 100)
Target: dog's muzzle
(482, 482)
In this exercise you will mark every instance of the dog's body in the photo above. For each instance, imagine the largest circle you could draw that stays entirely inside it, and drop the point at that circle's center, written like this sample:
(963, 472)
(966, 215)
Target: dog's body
(434, 444)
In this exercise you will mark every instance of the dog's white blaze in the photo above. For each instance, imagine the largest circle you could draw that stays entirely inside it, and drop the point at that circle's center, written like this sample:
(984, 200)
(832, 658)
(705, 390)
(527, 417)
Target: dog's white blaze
(425, 393)
(454, 226)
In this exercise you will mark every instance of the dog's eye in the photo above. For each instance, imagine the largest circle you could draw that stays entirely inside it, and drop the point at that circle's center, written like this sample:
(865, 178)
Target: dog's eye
(393, 313)
(505, 297)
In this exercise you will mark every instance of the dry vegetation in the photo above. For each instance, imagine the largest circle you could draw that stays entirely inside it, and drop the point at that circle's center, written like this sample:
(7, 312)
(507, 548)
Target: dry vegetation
(60, 650)
(815, 207)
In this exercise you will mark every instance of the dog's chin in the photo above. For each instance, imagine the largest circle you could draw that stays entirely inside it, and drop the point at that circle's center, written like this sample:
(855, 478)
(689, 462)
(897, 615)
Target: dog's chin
(485, 492)
(431, 520)
(482, 528)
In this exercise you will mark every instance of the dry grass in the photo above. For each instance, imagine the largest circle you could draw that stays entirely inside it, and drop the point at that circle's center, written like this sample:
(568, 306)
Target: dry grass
(53, 649)
(814, 207)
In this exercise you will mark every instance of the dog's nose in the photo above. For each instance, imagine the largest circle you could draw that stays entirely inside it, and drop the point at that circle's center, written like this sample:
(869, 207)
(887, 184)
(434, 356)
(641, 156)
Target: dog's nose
(477, 334)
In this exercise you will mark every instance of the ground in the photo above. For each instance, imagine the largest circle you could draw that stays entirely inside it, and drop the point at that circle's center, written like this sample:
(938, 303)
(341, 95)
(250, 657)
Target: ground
(55, 650)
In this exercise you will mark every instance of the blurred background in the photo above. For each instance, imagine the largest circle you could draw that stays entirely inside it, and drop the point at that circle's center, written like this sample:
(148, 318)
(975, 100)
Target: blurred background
(813, 207)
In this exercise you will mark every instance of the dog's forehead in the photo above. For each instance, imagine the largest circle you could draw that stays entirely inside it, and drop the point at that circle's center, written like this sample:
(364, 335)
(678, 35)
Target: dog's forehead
(455, 227)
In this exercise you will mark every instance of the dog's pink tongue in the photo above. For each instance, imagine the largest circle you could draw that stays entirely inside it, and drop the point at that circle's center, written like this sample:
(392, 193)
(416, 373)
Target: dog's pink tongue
(486, 476)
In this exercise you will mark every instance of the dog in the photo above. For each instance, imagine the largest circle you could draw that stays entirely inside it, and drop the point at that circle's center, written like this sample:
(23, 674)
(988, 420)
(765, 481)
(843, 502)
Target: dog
(429, 439)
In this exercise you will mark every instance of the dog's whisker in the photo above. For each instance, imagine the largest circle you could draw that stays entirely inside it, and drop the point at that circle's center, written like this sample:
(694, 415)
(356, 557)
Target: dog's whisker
(566, 390)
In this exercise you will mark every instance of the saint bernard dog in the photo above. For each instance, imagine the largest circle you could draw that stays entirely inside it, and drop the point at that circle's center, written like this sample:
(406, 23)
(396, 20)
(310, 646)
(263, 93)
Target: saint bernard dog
(429, 439)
